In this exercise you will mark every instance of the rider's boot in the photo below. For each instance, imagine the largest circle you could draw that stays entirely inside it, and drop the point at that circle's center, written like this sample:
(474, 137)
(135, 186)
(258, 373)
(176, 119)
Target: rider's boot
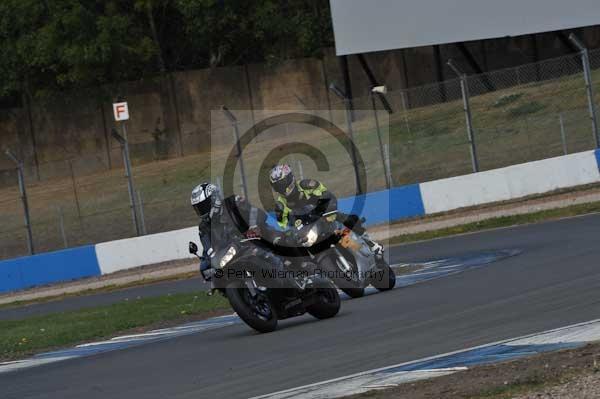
(375, 247)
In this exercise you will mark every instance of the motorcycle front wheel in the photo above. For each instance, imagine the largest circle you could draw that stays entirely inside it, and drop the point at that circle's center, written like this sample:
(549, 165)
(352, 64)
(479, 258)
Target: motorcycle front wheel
(353, 292)
(329, 302)
(257, 312)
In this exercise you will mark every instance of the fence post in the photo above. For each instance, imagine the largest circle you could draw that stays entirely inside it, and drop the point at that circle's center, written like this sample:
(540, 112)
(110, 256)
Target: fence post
(300, 169)
(563, 134)
(386, 151)
(403, 96)
(125, 151)
(61, 225)
(142, 217)
(236, 134)
(464, 87)
(75, 194)
(587, 74)
(373, 91)
(348, 107)
(23, 191)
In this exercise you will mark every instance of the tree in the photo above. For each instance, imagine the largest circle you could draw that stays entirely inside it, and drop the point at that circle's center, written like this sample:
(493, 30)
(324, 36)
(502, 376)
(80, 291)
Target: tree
(50, 46)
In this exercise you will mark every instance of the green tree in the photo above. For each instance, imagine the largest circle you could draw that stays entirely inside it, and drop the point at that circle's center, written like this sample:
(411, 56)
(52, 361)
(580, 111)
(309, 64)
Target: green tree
(50, 46)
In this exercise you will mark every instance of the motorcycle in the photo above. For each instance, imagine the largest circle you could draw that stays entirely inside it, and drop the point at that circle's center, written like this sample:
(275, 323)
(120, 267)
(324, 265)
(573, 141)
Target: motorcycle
(353, 261)
(237, 272)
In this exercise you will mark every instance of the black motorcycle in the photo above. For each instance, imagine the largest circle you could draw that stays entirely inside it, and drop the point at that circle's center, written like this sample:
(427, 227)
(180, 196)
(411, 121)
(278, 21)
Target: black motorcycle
(243, 273)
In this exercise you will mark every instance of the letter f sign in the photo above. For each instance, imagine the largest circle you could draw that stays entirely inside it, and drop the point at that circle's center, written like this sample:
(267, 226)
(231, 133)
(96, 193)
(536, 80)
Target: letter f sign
(121, 111)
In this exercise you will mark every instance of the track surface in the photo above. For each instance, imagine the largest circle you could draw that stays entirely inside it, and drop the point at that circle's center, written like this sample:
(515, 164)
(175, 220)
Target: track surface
(555, 282)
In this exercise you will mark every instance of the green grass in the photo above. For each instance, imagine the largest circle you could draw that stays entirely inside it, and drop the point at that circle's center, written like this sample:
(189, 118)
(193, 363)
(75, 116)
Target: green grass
(504, 221)
(91, 291)
(21, 337)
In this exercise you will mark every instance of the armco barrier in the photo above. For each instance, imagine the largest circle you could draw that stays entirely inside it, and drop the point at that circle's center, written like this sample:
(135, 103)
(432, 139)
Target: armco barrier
(377, 207)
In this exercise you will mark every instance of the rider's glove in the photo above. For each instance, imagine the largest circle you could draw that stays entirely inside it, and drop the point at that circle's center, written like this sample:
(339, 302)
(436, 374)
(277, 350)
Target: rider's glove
(253, 232)
(205, 268)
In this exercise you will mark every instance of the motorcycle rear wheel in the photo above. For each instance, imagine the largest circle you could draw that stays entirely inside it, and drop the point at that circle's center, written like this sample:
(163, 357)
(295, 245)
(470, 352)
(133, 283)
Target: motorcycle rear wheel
(390, 283)
(259, 315)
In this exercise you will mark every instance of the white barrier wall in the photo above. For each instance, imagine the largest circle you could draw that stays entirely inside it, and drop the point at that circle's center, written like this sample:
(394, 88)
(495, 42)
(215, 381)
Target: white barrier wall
(511, 182)
(151, 249)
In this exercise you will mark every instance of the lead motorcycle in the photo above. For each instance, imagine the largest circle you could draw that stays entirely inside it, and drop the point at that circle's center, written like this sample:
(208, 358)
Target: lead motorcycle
(351, 260)
(243, 275)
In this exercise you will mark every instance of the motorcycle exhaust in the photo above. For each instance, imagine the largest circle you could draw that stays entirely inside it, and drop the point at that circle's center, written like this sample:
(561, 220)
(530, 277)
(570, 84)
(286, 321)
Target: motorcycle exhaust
(343, 261)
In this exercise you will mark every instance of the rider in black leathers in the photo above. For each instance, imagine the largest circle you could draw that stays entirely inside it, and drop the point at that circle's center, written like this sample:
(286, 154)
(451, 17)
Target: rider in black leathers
(223, 221)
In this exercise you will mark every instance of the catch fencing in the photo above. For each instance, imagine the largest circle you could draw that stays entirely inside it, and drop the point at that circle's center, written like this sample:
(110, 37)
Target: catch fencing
(516, 115)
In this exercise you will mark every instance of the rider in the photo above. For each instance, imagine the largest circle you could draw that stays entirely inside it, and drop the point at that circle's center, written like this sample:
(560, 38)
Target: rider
(294, 195)
(224, 220)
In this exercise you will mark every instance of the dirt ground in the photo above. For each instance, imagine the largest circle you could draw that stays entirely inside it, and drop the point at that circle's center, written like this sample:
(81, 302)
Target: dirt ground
(563, 374)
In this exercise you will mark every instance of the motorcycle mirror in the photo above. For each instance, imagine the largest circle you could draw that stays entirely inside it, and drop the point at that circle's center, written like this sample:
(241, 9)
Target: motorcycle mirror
(193, 248)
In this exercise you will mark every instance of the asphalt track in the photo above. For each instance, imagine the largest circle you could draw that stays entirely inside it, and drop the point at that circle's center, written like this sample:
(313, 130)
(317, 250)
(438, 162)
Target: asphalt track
(553, 283)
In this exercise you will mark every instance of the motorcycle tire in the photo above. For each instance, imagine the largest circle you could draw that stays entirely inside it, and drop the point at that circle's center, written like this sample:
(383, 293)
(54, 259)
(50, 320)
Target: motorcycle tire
(389, 284)
(329, 305)
(238, 296)
(354, 292)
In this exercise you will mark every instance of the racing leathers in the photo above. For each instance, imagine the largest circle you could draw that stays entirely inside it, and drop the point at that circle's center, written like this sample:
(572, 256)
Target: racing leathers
(312, 192)
(236, 220)
(307, 192)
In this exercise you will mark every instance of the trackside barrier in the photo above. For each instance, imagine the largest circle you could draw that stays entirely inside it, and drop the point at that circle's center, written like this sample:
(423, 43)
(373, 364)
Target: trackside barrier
(48, 268)
(146, 250)
(377, 207)
(512, 182)
(382, 206)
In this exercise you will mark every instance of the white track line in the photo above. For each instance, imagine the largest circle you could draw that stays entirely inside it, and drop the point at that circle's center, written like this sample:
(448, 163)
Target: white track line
(359, 382)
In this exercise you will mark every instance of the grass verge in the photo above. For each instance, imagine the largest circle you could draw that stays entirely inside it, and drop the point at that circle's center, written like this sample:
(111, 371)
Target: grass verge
(504, 221)
(22, 337)
(101, 290)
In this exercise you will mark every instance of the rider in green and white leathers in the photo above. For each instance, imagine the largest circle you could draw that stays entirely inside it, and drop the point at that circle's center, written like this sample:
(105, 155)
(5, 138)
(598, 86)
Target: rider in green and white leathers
(306, 192)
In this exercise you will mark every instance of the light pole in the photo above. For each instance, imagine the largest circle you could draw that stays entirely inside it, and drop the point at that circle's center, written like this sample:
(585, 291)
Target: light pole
(380, 90)
(348, 107)
(236, 134)
(23, 191)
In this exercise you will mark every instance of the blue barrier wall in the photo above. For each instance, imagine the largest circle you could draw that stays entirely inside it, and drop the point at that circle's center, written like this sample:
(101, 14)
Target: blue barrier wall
(377, 207)
(387, 205)
(47, 268)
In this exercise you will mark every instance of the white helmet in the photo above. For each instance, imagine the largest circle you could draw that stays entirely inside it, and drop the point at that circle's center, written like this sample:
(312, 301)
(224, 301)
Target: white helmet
(206, 199)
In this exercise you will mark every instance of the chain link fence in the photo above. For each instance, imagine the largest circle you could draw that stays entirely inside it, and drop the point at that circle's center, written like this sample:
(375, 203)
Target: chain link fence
(518, 115)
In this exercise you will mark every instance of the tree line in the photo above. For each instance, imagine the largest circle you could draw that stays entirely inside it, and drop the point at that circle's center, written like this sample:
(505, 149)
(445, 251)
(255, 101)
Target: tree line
(52, 46)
